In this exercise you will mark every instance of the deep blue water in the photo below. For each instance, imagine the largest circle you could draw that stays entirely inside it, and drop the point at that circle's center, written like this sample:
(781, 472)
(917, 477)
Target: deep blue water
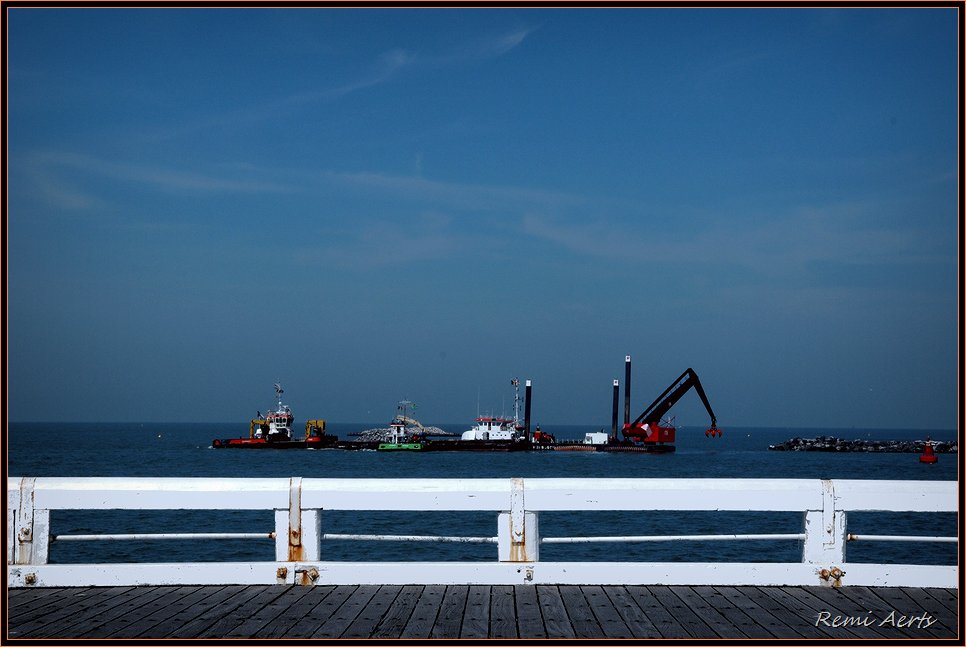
(175, 449)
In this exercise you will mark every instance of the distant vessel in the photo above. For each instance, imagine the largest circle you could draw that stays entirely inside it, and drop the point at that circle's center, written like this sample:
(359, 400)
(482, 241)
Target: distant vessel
(274, 431)
(488, 428)
(279, 427)
(488, 433)
(491, 428)
(400, 436)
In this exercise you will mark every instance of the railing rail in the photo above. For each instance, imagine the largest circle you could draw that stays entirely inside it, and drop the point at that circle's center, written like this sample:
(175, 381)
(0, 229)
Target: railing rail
(298, 504)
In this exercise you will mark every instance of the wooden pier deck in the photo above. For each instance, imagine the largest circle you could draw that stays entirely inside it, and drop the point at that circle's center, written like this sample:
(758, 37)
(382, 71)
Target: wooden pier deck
(470, 611)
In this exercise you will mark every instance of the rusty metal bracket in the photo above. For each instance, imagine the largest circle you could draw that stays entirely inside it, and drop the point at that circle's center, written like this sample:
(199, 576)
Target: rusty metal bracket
(306, 576)
(832, 576)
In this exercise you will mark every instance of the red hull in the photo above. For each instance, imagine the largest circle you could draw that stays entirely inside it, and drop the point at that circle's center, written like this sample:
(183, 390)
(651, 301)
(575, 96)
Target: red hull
(261, 443)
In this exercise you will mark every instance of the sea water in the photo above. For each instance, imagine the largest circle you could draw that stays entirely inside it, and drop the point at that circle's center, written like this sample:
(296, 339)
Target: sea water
(184, 450)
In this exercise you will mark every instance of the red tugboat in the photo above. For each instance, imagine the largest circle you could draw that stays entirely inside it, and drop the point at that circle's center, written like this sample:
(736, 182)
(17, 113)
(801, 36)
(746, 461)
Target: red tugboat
(274, 431)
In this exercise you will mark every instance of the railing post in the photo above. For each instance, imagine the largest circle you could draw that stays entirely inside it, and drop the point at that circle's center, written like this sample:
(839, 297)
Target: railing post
(518, 537)
(32, 527)
(11, 530)
(298, 533)
(825, 531)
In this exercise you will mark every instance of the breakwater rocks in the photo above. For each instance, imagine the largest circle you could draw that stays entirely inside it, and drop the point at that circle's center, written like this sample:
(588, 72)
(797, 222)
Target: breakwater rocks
(384, 434)
(832, 444)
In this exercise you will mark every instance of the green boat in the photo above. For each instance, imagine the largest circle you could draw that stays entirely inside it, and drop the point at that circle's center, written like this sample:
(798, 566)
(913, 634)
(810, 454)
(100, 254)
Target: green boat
(396, 447)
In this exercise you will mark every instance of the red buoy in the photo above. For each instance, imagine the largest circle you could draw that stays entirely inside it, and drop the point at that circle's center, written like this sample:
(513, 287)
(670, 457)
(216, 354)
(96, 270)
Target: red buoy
(928, 456)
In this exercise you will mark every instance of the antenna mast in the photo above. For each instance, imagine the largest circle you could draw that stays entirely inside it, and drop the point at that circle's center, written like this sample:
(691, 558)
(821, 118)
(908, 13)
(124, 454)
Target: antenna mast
(516, 400)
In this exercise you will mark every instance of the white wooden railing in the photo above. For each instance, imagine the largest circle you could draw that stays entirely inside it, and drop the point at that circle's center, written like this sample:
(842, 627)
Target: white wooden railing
(299, 503)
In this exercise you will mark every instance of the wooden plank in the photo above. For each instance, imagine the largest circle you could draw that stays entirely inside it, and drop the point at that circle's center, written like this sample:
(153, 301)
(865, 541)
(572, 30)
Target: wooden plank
(30, 593)
(752, 606)
(807, 608)
(732, 614)
(20, 599)
(479, 611)
(423, 618)
(721, 626)
(49, 621)
(117, 612)
(581, 615)
(476, 614)
(188, 609)
(936, 610)
(161, 621)
(344, 616)
(43, 610)
(926, 616)
(943, 602)
(554, 612)
(639, 625)
(261, 616)
(40, 602)
(238, 614)
(121, 626)
(327, 598)
(503, 615)
(209, 610)
(900, 609)
(450, 616)
(394, 622)
(296, 612)
(688, 619)
(304, 617)
(850, 605)
(609, 619)
(666, 623)
(527, 611)
(373, 613)
(786, 608)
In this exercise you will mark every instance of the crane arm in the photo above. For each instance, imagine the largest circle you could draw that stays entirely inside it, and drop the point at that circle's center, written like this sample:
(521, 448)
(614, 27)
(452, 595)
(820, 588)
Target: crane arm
(671, 395)
(411, 421)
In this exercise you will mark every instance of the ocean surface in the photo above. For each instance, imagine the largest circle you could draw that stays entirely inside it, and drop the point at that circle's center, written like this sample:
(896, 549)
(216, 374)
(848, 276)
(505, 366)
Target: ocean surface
(184, 450)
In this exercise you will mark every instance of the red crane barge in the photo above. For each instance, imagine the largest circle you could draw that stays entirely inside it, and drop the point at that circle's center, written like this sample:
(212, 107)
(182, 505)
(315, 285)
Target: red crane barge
(647, 430)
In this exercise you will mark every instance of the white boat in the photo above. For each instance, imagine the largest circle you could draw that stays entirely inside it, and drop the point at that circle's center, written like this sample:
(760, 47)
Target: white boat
(491, 428)
(487, 428)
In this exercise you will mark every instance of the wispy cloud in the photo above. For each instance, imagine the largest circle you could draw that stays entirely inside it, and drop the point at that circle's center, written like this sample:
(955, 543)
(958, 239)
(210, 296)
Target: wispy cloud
(54, 189)
(386, 67)
(54, 172)
(453, 194)
(789, 241)
(383, 69)
(494, 46)
(593, 238)
(380, 243)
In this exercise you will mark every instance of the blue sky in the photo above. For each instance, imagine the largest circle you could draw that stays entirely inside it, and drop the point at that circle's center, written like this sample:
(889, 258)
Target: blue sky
(368, 205)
